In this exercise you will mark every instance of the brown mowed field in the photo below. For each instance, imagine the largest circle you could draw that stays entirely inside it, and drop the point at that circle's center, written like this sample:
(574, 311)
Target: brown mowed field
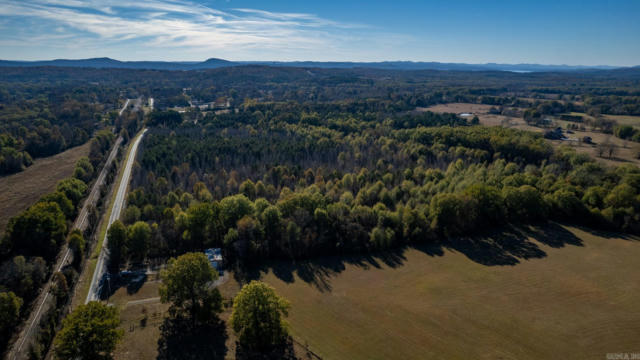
(553, 292)
(572, 299)
(458, 108)
(21, 190)
(626, 120)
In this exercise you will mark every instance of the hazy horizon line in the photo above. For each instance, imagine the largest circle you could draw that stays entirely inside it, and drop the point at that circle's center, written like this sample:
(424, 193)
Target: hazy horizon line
(324, 61)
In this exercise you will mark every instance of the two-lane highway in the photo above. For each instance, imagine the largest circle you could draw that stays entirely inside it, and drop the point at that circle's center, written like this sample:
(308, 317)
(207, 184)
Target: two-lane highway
(118, 204)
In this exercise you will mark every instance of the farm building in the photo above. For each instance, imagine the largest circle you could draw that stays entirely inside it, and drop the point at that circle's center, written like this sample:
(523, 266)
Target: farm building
(214, 255)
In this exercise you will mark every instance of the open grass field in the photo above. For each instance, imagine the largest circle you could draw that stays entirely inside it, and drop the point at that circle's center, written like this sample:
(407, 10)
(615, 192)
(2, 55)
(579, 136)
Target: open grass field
(141, 337)
(571, 294)
(554, 292)
(620, 119)
(626, 151)
(626, 120)
(143, 316)
(482, 111)
(19, 191)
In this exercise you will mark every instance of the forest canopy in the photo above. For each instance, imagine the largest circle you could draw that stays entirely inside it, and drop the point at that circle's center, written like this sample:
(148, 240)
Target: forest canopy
(297, 180)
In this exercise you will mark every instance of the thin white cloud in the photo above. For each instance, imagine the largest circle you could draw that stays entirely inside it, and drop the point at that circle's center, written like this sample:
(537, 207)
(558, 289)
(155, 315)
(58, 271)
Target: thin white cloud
(299, 18)
(171, 24)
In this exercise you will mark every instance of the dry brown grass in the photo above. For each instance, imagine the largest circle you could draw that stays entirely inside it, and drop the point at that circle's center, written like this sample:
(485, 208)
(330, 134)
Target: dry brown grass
(626, 120)
(626, 151)
(576, 297)
(577, 302)
(482, 111)
(620, 119)
(21, 190)
(141, 337)
(458, 108)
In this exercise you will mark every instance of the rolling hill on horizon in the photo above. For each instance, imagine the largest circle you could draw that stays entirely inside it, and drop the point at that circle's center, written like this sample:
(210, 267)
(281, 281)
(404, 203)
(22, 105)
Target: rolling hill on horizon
(213, 63)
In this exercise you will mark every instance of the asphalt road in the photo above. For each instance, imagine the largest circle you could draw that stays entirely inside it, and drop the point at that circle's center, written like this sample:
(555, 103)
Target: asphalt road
(118, 204)
(124, 107)
(43, 301)
(63, 259)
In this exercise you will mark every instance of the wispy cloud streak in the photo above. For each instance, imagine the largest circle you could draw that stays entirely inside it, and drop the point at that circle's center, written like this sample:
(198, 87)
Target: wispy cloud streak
(170, 24)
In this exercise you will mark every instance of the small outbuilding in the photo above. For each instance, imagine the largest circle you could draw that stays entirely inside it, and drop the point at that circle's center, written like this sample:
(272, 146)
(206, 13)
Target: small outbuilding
(214, 255)
(554, 134)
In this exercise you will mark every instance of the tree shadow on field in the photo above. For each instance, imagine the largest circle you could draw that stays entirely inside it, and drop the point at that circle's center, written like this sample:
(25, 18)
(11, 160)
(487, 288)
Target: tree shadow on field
(179, 340)
(318, 272)
(503, 248)
(132, 283)
(506, 246)
(553, 235)
(607, 234)
(510, 245)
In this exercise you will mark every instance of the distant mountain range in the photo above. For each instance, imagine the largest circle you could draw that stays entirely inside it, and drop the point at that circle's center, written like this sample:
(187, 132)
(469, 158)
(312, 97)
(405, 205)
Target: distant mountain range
(103, 63)
(217, 63)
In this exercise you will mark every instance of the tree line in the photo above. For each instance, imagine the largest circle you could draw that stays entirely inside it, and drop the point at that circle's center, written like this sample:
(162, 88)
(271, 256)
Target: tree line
(33, 238)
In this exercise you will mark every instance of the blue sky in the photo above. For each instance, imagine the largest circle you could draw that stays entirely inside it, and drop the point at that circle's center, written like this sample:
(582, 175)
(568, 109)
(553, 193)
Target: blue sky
(548, 32)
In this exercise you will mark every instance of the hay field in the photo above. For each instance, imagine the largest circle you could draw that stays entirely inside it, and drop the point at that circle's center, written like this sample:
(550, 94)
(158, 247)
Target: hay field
(572, 294)
(21, 190)
(532, 293)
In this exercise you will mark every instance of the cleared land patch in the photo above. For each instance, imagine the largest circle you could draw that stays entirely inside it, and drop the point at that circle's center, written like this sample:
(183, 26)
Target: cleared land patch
(19, 191)
(142, 315)
(144, 321)
(626, 151)
(574, 299)
(550, 292)
(620, 119)
(482, 111)
(626, 120)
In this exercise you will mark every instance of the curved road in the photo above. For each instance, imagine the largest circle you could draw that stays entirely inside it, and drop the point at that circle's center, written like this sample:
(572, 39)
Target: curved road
(118, 204)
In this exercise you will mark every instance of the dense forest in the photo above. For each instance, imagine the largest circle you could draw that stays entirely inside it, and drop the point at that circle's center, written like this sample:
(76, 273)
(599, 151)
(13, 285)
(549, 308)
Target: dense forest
(44, 111)
(612, 91)
(44, 120)
(298, 180)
